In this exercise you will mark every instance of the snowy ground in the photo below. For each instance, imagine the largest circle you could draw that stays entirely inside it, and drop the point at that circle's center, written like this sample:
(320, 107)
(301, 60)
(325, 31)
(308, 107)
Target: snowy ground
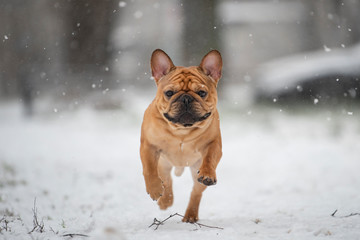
(282, 175)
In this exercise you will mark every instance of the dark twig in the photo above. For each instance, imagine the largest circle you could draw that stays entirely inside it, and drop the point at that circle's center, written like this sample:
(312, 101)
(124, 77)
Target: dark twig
(157, 223)
(52, 230)
(38, 226)
(74, 235)
(3, 228)
(350, 215)
(5, 225)
(333, 214)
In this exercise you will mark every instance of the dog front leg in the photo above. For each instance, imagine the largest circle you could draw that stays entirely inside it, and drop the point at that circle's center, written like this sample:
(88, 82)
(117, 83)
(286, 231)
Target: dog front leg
(192, 211)
(207, 173)
(164, 169)
(150, 158)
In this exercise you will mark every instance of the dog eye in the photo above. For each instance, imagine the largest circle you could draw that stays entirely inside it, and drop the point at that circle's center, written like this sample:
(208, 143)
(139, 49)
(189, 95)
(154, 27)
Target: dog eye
(202, 93)
(169, 93)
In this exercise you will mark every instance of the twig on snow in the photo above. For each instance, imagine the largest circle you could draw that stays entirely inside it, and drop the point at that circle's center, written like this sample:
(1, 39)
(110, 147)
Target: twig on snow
(350, 215)
(5, 225)
(38, 226)
(52, 230)
(74, 235)
(157, 223)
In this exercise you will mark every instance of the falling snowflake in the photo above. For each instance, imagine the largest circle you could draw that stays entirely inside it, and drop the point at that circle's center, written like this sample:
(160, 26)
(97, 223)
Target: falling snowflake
(138, 14)
(326, 49)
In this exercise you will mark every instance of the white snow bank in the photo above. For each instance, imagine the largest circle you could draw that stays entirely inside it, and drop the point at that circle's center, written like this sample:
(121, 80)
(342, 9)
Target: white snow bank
(281, 176)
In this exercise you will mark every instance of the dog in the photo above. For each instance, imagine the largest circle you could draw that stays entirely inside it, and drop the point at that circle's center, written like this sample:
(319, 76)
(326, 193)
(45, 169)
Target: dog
(181, 128)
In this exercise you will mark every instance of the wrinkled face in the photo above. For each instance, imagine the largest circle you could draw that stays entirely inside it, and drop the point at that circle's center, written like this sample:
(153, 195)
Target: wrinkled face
(186, 97)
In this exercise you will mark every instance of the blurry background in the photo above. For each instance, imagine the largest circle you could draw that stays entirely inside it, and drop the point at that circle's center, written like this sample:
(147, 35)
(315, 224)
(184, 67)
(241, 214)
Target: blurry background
(75, 80)
(90, 52)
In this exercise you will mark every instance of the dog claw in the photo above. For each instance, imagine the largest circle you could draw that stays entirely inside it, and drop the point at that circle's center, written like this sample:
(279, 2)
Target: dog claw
(155, 188)
(207, 181)
(206, 178)
(156, 198)
(190, 219)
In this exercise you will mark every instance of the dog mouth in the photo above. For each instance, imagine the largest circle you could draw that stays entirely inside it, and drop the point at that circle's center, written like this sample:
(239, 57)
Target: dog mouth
(186, 119)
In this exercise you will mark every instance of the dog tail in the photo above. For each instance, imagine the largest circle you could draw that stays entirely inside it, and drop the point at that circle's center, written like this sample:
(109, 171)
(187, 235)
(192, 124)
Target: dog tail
(179, 171)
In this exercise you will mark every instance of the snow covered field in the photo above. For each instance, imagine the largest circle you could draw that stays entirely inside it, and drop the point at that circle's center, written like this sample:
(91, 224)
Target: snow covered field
(282, 175)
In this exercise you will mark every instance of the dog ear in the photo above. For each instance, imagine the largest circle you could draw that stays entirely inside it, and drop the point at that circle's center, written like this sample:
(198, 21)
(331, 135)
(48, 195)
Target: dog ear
(161, 64)
(211, 65)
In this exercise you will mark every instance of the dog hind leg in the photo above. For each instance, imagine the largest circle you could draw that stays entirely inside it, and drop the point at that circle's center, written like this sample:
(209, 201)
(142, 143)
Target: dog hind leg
(192, 211)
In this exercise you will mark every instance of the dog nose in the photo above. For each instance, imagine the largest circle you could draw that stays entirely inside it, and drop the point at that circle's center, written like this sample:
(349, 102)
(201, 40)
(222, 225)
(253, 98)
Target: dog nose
(186, 99)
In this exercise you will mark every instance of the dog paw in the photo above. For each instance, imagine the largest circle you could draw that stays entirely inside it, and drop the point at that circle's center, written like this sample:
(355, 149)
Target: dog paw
(155, 189)
(207, 179)
(190, 218)
(166, 201)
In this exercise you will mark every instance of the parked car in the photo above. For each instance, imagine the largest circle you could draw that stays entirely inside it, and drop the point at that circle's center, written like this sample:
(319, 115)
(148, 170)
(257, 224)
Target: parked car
(328, 76)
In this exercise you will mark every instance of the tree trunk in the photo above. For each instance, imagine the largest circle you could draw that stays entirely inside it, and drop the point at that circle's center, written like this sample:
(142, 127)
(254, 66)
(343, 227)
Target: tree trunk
(200, 33)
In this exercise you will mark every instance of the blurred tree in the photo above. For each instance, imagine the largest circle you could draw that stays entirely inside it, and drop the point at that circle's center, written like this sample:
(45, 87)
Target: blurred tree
(87, 32)
(25, 51)
(87, 28)
(200, 30)
(336, 22)
(48, 45)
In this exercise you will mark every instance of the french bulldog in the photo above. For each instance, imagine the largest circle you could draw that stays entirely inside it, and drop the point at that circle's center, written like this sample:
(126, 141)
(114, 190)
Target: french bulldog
(181, 128)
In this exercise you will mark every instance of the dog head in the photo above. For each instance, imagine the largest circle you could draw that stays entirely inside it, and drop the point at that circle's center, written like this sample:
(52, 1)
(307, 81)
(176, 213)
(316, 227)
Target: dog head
(186, 96)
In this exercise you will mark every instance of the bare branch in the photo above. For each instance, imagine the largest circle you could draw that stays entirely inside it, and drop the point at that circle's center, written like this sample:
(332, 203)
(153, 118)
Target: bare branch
(74, 235)
(52, 230)
(38, 226)
(5, 225)
(157, 223)
(333, 214)
(350, 215)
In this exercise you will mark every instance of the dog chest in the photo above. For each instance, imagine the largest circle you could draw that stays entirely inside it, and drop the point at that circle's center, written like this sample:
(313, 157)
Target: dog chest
(181, 154)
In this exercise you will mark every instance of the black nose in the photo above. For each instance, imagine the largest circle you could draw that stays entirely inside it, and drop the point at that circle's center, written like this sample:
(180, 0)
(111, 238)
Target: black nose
(186, 99)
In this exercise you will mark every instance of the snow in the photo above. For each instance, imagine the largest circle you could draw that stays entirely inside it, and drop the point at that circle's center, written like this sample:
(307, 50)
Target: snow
(281, 176)
(122, 4)
(327, 49)
(138, 14)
